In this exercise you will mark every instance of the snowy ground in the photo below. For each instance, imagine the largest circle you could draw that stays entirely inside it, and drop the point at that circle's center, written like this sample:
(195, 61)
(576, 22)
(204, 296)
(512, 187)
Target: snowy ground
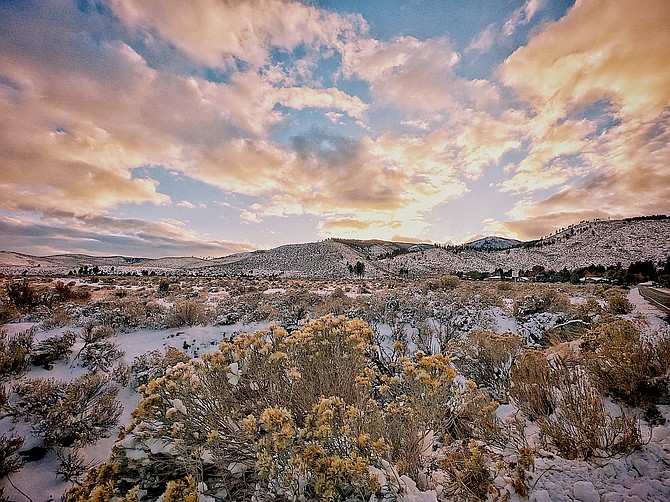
(38, 479)
(641, 476)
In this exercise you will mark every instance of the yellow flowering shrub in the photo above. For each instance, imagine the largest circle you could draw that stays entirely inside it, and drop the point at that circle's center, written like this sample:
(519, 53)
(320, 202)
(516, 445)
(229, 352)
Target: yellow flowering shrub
(327, 458)
(285, 415)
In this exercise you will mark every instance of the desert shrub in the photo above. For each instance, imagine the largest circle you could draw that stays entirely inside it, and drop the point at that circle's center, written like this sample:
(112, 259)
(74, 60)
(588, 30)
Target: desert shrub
(73, 413)
(100, 355)
(186, 313)
(555, 301)
(588, 311)
(619, 304)
(9, 458)
(57, 318)
(21, 294)
(121, 374)
(8, 313)
(331, 455)
(184, 490)
(546, 300)
(337, 303)
(294, 306)
(465, 467)
(66, 292)
(91, 333)
(98, 486)
(4, 397)
(53, 349)
(71, 465)
(487, 357)
(525, 460)
(274, 415)
(15, 351)
(124, 314)
(422, 395)
(565, 332)
(580, 427)
(164, 286)
(445, 282)
(501, 435)
(250, 375)
(532, 384)
(624, 366)
(153, 364)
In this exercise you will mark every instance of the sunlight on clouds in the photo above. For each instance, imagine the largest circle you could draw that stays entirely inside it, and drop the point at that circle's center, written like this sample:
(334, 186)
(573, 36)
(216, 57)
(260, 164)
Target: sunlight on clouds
(218, 32)
(299, 111)
(406, 73)
(543, 168)
(599, 50)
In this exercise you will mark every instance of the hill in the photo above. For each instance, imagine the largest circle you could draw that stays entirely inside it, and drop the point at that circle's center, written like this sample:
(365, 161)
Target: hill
(493, 243)
(595, 242)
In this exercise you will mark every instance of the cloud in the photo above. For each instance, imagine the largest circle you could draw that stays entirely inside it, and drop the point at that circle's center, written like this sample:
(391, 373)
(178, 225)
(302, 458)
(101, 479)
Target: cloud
(219, 32)
(186, 204)
(405, 73)
(414, 240)
(306, 97)
(77, 151)
(543, 166)
(249, 217)
(598, 50)
(522, 16)
(628, 177)
(601, 59)
(347, 225)
(484, 40)
(97, 235)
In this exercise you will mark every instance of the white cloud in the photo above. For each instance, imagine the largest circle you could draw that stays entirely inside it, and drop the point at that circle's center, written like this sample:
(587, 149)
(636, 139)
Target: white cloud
(219, 32)
(484, 40)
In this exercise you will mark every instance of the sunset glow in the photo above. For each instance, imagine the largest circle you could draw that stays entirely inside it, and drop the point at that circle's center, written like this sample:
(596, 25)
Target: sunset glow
(208, 127)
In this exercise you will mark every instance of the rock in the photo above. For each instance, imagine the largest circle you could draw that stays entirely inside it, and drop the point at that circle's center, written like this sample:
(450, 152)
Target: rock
(639, 489)
(540, 496)
(613, 497)
(641, 466)
(585, 492)
(609, 471)
(659, 434)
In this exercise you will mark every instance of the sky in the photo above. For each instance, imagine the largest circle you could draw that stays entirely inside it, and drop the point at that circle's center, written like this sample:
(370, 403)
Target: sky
(208, 127)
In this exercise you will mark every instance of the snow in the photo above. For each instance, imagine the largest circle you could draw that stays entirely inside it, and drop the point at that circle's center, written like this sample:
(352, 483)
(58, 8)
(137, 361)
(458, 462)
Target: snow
(593, 242)
(643, 475)
(584, 491)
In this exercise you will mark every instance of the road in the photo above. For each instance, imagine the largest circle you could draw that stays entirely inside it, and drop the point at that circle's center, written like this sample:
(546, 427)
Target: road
(657, 297)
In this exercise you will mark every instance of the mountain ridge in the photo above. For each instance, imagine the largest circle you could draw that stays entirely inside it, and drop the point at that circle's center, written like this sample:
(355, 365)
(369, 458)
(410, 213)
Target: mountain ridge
(597, 242)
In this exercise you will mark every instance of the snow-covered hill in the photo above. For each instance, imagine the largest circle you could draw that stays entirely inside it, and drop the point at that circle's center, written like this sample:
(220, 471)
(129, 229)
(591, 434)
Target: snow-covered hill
(492, 243)
(592, 242)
